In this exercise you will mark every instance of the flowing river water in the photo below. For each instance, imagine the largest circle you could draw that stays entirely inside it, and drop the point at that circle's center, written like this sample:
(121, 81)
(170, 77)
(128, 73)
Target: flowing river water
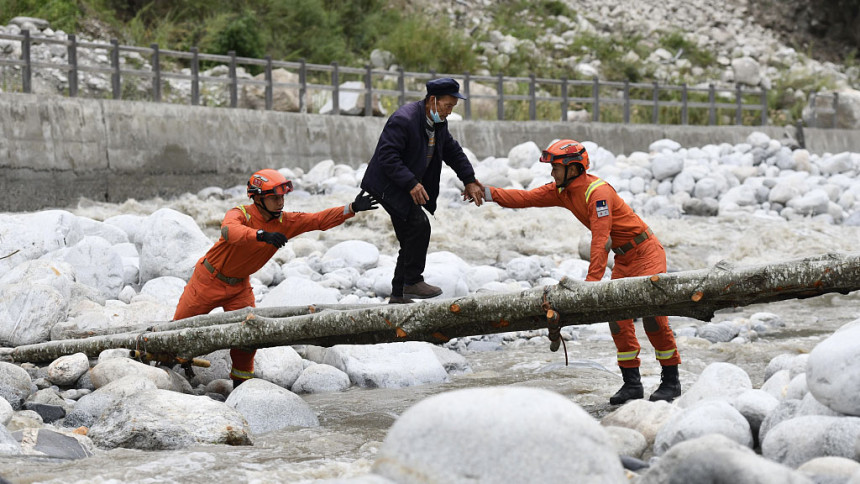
(354, 423)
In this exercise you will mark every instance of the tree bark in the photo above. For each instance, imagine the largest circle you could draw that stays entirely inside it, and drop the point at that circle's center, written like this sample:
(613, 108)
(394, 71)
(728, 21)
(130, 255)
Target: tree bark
(696, 294)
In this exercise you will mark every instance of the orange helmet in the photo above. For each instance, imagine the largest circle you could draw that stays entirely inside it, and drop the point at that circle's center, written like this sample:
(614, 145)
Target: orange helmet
(565, 152)
(268, 182)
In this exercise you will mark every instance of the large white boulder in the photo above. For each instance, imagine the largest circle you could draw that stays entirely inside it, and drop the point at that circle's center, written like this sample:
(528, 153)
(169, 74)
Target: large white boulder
(389, 365)
(832, 374)
(267, 406)
(298, 291)
(354, 253)
(717, 381)
(161, 420)
(470, 436)
(705, 417)
(170, 245)
(28, 312)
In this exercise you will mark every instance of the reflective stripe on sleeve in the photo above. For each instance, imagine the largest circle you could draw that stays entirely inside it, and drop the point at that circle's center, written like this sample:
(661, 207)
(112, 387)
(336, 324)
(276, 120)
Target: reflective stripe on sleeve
(592, 187)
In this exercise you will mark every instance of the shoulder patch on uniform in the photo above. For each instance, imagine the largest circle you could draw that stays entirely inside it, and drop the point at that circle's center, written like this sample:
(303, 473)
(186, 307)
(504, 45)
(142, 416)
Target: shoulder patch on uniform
(602, 208)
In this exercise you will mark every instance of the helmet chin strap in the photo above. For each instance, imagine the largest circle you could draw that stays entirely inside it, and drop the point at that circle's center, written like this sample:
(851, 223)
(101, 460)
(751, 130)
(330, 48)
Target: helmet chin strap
(258, 201)
(566, 179)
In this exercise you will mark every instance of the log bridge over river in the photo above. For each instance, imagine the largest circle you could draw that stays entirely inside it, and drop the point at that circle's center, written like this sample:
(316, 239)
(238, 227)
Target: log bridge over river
(697, 294)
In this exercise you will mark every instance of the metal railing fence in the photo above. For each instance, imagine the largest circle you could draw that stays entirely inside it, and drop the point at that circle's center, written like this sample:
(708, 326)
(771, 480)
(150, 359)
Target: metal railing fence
(511, 98)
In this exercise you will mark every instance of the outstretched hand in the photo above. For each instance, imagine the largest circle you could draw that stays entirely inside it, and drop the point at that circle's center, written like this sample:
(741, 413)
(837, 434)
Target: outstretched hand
(364, 201)
(474, 192)
(274, 238)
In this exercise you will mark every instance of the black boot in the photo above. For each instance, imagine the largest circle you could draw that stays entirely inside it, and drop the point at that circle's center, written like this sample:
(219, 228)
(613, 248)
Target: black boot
(670, 385)
(632, 388)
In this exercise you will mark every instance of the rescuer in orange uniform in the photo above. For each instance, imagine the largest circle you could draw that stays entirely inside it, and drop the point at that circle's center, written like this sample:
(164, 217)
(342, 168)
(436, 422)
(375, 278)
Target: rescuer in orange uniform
(615, 226)
(250, 236)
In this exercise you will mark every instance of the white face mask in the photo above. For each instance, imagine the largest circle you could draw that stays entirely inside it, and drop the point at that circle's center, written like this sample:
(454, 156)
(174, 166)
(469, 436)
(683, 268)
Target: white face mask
(434, 115)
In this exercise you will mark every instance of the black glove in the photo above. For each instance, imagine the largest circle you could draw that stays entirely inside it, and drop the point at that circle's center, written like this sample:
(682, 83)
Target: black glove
(275, 238)
(364, 201)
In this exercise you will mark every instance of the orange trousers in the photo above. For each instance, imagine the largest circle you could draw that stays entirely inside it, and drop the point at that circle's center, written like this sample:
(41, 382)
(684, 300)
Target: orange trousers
(205, 292)
(646, 259)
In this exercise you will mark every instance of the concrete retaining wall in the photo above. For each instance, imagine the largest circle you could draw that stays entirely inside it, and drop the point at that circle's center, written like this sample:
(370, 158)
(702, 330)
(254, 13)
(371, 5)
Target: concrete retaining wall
(55, 150)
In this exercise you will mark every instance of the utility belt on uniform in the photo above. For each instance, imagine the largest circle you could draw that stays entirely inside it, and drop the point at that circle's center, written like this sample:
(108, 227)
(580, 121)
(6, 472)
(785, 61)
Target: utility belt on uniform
(625, 248)
(229, 280)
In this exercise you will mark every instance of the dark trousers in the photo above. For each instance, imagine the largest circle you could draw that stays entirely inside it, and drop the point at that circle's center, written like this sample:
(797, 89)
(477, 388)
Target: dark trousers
(414, 237)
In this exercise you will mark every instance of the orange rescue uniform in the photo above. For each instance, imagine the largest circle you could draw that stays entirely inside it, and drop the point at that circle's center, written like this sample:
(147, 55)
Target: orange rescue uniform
(220, 278)
(613, 224)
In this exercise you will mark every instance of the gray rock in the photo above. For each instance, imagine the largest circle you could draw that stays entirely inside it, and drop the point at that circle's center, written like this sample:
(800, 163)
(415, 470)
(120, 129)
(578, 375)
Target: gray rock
(830, 470)
(802, 439)
(49, 443)
(66, 370)
(786, 410)
(721, 332)
(626, 441)
(715, 458)
(161, 419)
(90, 407)
(280, 365)
(49, 413)
(833, 375)
(390, 365)
(777, 384)
(755, 405)
(705, 417)
(6, 412)
(469, 435)
(267, 406)
(8, 444)
(717, 381)
(321, 378)
(15, 384)
(644, 416)
(113, 369)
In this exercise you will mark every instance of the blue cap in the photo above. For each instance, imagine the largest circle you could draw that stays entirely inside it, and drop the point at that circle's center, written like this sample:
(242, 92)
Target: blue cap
(444, 86)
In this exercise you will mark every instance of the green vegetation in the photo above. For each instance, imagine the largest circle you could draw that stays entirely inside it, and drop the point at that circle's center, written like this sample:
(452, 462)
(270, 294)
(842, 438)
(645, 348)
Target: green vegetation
(346, 31)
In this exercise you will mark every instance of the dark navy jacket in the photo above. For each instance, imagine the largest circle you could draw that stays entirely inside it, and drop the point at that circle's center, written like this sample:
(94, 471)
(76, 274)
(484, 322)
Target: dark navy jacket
(400, 161)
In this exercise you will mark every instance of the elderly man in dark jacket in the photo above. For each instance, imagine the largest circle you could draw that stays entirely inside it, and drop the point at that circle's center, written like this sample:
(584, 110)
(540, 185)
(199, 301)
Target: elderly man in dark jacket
(404, 176)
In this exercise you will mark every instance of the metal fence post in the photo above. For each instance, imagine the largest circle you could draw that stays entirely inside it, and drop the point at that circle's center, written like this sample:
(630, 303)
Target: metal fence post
(303, 89)
(500, 105)
(655, 111)
(626, 101)
(335, 93)
(27, 68)
(270, 88)
(739, 111)
(368, 95)
(835, 110)
(595, 103)
(684, 106)
(712, 109)
(401, 86)
(156, 74)
(466, 92)
(72, 74)
(763, 107)
(195, 77)
(115, 79)
(532, 98)
(565, 102)
(234, 81)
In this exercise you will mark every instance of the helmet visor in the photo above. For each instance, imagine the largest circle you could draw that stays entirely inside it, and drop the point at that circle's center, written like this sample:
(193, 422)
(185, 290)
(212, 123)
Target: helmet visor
(564, 158)
(282, 189)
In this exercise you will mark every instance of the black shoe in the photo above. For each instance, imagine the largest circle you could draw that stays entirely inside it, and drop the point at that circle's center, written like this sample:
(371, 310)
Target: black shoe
(421, 290)
(670, 385)
(399, 300)
(632, 388)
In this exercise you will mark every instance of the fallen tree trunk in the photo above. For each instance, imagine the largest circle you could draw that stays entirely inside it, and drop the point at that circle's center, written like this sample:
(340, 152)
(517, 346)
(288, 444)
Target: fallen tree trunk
(696, 294)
